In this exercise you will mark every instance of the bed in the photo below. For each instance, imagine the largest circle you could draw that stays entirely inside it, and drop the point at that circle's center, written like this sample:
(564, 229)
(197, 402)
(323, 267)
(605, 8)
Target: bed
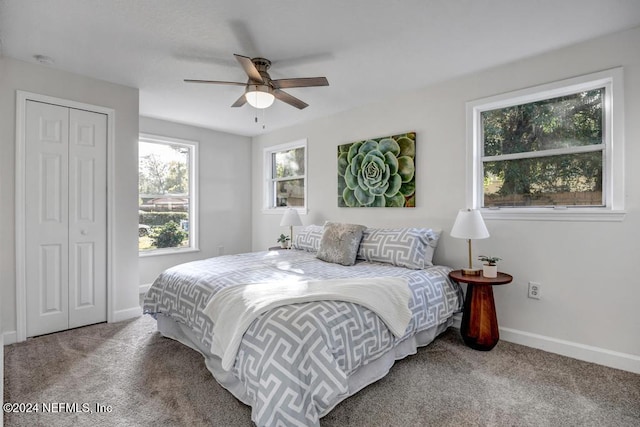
(296, 361)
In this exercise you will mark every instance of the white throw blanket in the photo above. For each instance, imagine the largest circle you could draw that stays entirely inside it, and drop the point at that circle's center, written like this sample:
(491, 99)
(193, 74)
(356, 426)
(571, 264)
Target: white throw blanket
(233, 309)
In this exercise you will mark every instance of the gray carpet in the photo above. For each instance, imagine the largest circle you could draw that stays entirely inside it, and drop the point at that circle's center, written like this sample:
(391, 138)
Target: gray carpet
(149, 380)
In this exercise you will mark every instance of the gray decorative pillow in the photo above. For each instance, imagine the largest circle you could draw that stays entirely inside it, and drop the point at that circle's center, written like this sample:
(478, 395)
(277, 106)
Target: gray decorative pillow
(308, 238)
(404, 247)
(340, 242)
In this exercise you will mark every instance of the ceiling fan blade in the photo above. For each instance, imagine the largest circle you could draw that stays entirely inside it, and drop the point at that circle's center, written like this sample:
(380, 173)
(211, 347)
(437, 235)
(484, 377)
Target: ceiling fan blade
(215, 82)
(291, 100)
(240, 101)
(249, 68)
(300, 82)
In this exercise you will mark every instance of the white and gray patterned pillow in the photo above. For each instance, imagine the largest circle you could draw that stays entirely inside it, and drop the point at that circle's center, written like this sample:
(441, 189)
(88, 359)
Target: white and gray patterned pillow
(308, 238)
(340, 243)
(405, 247)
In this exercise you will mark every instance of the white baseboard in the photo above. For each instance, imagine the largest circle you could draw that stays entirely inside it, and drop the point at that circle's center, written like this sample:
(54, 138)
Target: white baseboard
(10, 337)
(600, 356)
(144, 288)
(126, 314)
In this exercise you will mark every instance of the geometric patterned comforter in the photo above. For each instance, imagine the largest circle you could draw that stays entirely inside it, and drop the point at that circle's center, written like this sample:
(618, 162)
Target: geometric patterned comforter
(295, 361)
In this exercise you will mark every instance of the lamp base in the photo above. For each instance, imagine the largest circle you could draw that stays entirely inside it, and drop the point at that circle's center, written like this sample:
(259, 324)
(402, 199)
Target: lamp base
(471, 271)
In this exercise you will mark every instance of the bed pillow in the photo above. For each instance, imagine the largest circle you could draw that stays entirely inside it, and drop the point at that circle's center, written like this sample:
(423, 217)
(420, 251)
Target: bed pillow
(340, 243)
(308, 238)
(433, 236)
(404, 247)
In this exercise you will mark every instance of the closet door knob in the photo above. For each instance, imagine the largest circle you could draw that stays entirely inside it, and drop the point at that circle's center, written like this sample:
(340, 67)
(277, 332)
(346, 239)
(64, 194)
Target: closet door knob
(83, 232)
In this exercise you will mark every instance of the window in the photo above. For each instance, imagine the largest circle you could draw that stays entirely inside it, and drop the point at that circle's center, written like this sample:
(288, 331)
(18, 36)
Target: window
(167, 185)
(548, 149)
(286, 176)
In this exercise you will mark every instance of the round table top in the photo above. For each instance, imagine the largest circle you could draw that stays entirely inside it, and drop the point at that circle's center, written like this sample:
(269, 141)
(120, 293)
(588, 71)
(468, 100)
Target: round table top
(502, 279)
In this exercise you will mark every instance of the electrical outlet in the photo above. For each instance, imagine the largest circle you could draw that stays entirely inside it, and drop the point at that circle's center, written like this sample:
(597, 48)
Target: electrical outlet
(534, 290)
(220, 250)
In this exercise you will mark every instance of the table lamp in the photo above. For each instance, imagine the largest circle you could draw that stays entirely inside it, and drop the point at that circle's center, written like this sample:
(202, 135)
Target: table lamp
(290, 218)
(469, 225)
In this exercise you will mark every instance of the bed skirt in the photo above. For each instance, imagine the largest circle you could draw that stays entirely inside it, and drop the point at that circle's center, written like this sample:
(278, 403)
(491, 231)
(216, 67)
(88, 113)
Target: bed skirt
(362, 377)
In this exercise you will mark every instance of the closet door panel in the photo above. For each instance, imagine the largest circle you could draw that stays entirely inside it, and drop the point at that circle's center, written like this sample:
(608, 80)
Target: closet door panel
(87, 218)
(46, 246)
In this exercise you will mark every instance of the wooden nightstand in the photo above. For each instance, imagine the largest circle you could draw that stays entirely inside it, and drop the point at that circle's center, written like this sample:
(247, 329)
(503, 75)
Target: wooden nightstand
(479, 328)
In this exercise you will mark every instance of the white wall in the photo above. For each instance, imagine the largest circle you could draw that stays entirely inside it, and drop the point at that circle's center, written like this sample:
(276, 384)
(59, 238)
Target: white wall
(587, 270)
(19, 75)
(224, 196)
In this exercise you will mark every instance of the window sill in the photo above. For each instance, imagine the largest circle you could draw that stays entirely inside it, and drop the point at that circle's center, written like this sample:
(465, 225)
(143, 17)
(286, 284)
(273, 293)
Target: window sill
(550, 214)
(280, 211)
(167, 251)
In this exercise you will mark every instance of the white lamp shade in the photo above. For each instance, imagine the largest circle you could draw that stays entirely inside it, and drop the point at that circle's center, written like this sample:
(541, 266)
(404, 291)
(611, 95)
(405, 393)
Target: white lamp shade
(469, 225)
(290, 218)
(259, 96)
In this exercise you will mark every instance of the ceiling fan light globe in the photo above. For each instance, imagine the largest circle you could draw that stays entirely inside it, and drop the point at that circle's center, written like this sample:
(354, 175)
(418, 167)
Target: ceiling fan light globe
(259, 98)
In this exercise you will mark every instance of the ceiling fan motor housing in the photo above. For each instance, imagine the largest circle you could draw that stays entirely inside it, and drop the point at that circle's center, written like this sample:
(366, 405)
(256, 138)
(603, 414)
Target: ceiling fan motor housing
(262, 65)
(260, 94)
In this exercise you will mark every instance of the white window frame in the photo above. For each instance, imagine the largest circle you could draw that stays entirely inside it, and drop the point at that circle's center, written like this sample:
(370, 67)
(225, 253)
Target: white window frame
(193, 195)
(613, 153)
(268, 180)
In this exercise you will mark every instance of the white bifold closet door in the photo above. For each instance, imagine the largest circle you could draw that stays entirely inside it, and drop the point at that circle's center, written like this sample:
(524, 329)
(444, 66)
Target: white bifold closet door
(66, 205)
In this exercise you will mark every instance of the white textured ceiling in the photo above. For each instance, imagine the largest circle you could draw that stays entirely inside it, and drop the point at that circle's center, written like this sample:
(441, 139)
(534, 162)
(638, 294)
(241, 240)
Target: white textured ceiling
(368, 49)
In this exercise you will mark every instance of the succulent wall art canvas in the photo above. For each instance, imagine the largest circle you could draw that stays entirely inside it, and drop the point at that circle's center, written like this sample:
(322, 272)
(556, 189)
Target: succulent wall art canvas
(378, 172)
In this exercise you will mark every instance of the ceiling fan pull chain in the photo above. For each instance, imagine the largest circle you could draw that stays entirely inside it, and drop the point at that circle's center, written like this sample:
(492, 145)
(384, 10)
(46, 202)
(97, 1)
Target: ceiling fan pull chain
(264, 126)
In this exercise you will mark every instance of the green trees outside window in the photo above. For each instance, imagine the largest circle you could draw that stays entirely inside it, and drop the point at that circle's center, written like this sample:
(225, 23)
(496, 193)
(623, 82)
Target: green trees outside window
(164, 189)
(545, 153)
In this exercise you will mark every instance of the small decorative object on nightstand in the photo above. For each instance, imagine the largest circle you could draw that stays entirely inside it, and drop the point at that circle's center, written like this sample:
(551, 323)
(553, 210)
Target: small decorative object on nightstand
(283, 239)
(489, 268)
(479, 328)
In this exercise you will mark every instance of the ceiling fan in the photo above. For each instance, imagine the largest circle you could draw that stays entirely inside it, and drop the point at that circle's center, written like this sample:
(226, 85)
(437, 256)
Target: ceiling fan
(261, 90)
